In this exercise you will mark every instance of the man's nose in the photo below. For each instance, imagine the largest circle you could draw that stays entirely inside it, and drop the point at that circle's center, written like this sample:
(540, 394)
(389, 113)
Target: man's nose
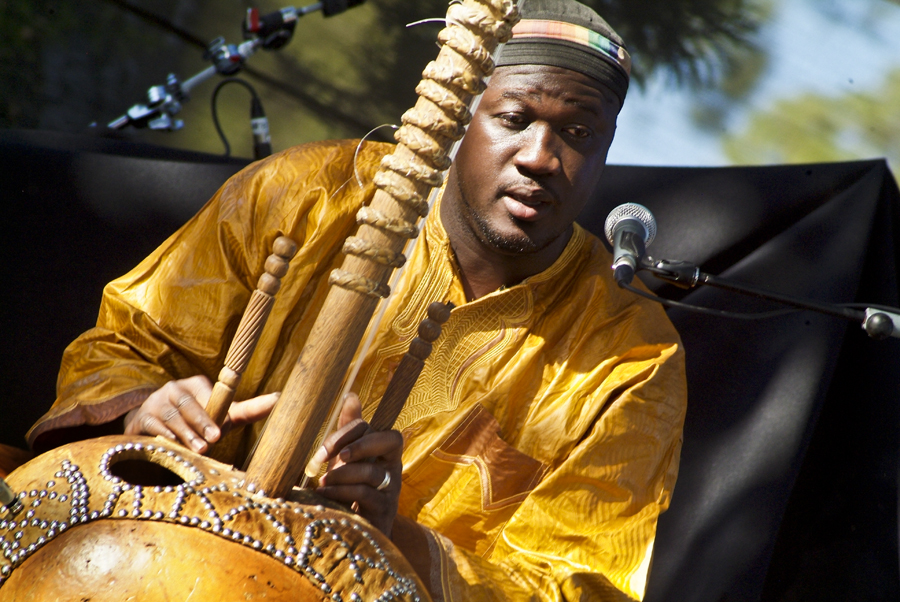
(539, 153)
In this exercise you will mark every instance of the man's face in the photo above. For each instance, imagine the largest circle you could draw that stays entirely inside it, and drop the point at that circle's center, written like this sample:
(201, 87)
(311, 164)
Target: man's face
(531, 159)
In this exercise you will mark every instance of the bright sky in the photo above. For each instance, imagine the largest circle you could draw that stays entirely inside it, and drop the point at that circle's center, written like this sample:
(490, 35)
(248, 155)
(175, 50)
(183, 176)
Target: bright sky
(825, 46)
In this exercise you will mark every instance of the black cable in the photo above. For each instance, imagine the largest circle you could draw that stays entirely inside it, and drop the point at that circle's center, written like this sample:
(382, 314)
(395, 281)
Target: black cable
(744, 316)
(687, 275)
(215, 111)
(874, 306)
(160, 22)
(707, 310)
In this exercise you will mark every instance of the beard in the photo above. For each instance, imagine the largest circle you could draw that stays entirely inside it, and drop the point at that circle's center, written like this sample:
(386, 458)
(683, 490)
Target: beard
(508, 243)
(505, 242)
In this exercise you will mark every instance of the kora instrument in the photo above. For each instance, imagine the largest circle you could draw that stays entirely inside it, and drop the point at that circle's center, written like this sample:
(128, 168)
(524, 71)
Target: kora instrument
(135, 518)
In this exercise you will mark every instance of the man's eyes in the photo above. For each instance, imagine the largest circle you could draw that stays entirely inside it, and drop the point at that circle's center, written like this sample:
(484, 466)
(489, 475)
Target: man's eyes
(578, 131)
(520, 121)
(513, 119)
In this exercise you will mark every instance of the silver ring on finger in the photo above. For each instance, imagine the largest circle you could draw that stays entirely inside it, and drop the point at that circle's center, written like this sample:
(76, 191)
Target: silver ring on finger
(387, 481)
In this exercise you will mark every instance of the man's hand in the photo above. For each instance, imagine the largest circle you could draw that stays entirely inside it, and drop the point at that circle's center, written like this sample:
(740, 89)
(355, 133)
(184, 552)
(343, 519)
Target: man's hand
(365, 467)
(177, 411)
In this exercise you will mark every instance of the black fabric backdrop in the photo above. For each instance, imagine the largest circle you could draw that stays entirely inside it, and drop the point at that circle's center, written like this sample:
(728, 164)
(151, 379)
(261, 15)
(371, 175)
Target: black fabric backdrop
(788, 484)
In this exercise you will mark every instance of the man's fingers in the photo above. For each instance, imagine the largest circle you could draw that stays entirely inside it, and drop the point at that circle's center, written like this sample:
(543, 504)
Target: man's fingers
(198, 386)
(185, 429)
(168, 424)
(139, 422)
(375, 444)
(186, 415)
(191, 414)
(371, 474)
(351, 410)
(350, 427)
(176, 411)
(348, 494)
(339, 439)
(365, 469)
(373, 489)
(252, 410)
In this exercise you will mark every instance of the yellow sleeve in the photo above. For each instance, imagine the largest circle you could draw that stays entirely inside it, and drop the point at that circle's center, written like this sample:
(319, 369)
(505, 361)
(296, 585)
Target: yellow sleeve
(174, 314)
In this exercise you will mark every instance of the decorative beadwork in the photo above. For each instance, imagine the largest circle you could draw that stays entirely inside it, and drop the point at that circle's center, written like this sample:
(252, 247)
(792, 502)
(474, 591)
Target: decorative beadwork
(316, 542)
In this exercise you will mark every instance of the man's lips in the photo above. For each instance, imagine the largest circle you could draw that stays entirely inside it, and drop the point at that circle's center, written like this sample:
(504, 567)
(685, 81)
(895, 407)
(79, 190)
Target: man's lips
(527, 205)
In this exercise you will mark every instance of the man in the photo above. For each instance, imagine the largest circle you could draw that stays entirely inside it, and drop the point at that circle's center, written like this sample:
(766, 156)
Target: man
(541, 441)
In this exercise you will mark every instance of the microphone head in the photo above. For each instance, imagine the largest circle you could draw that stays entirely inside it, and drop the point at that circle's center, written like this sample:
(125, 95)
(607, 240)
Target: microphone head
(630, 212)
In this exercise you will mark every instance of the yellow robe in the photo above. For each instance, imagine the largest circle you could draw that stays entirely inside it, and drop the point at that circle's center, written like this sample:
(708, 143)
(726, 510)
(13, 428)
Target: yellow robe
(542, 439)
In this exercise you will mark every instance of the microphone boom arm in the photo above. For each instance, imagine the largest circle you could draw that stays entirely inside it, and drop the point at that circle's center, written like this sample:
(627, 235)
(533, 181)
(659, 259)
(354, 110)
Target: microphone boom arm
(878, 323)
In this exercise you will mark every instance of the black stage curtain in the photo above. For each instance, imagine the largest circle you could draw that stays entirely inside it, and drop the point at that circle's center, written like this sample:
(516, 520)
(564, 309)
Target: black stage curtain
(788, 485)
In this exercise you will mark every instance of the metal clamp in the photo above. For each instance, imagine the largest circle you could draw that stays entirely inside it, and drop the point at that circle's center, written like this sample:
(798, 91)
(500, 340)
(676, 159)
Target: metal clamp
(10, 505)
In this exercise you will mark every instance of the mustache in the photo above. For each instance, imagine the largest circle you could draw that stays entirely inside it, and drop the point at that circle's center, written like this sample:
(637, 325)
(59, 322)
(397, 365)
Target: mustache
(531, 191)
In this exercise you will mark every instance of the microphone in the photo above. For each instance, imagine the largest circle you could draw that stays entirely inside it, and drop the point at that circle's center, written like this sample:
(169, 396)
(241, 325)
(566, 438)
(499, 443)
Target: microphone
(629, 228)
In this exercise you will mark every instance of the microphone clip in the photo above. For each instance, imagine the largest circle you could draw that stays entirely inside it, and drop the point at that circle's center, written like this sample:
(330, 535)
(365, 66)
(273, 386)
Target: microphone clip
(273, 30)
(680, 273)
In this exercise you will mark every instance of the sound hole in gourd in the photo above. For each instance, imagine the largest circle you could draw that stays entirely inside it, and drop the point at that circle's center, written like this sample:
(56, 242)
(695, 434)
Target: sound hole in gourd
(144, 473)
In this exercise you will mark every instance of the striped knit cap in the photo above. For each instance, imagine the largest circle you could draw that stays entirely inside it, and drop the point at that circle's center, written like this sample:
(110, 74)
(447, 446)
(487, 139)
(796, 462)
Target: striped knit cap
(566, 33)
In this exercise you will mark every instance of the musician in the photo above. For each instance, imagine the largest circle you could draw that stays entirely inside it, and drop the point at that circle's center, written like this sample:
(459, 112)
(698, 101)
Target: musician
(541, 441)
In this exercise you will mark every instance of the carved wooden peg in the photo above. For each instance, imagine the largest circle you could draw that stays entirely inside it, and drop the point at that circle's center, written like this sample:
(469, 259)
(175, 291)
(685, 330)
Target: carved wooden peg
(250, 328)
(410, 367)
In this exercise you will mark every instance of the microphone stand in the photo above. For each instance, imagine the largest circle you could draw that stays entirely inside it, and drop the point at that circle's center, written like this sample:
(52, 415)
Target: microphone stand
(878, 323)
(270, 32)
(164, 102)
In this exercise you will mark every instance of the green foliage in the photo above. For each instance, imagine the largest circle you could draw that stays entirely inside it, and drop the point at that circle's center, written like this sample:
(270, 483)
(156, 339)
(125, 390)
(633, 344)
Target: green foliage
(740, 70)
(372, 79)
(339, 75)
(59, 58)
(23, 25)
(64, 64)
(812, 128)
(692, 40)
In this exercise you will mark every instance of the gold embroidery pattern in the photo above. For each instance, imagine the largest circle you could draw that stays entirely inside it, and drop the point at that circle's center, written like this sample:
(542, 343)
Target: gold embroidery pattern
(381, 362)
(433, 287)
(476, 334)
(475, 337)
